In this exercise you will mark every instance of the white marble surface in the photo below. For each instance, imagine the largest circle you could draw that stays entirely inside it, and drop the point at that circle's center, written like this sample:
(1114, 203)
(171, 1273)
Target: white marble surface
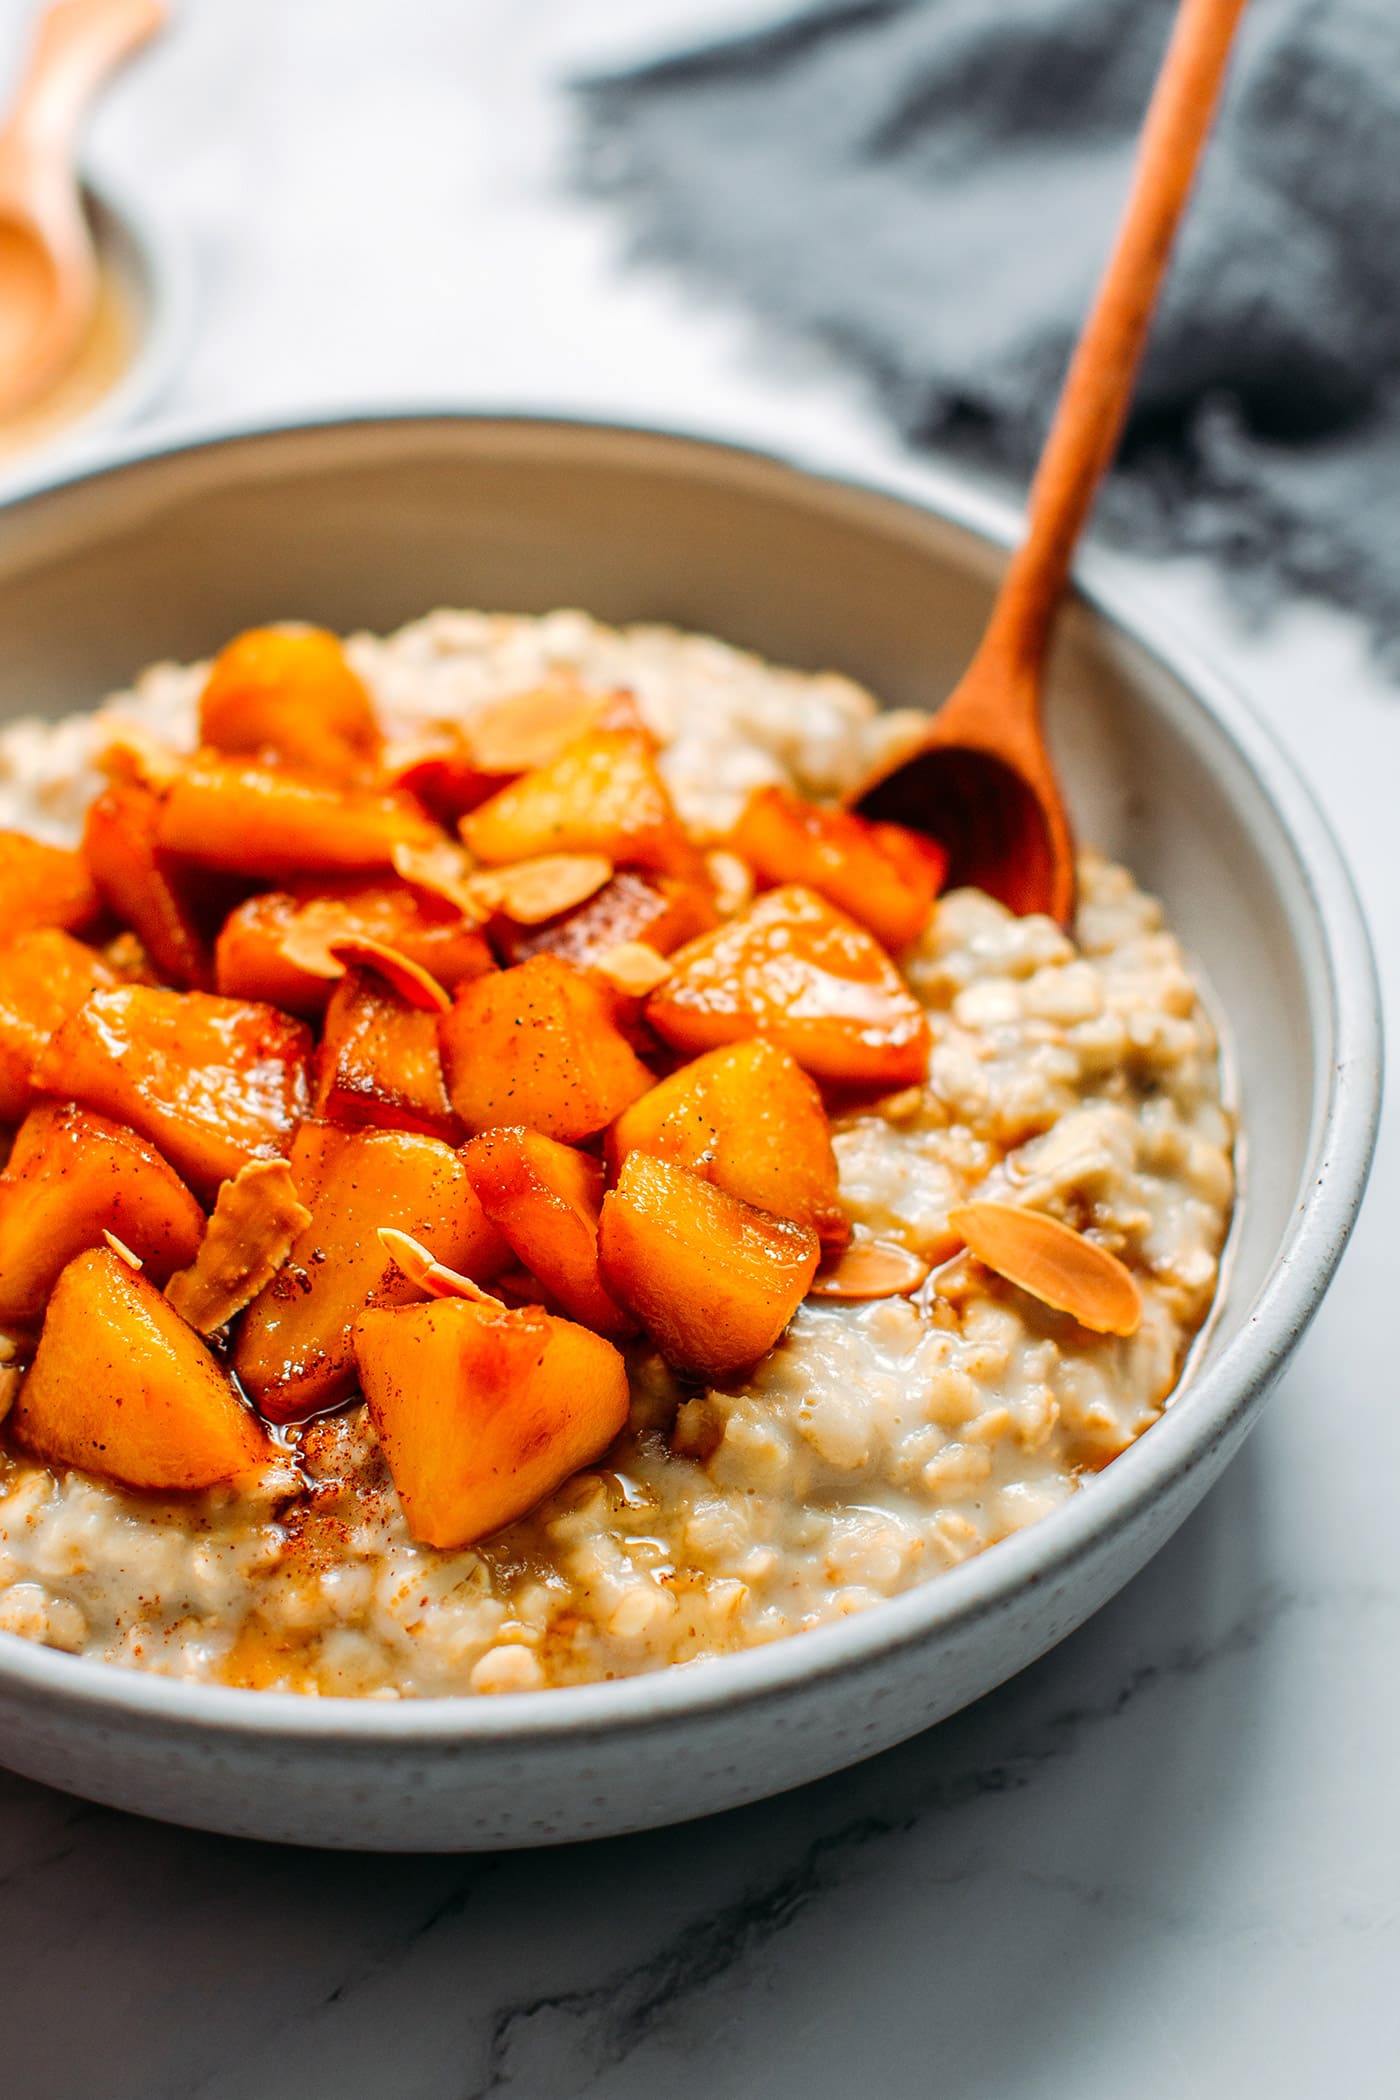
(1165, 1862)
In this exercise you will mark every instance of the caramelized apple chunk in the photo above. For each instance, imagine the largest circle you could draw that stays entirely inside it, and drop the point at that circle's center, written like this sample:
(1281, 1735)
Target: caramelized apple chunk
(379, 1062)
(42, 885)
(883, 875)
(45, 976)
(72, 1176)
(601, 795)
(712, 1280)
(538, 1045)
(212, 1082)
(277, 946)
(122, 1388)
(293, 1352)
(544, 1199)
(167, 905)
(268, 821)
(795, 969)
(288, 693)
(483, 1411)
(747, 1118)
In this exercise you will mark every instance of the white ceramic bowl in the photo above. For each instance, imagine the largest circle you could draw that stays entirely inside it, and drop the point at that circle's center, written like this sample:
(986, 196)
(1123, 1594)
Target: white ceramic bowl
(368, 522)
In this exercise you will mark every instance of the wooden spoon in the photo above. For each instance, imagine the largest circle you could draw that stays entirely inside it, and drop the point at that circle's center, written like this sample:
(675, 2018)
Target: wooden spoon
(980, 778)
(48, 268)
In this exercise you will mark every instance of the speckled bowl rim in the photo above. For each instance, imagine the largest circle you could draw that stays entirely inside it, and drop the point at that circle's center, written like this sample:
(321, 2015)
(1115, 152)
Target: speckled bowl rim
(1341, 1144)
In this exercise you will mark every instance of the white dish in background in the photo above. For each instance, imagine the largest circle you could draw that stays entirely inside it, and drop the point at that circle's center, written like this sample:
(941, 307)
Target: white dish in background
(364, 523)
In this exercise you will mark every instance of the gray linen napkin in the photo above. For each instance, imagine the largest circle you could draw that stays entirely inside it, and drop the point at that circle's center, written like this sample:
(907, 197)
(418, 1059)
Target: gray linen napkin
(929, 188)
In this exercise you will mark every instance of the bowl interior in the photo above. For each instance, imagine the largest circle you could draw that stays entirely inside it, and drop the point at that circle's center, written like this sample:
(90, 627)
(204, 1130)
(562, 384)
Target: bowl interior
(368, 525)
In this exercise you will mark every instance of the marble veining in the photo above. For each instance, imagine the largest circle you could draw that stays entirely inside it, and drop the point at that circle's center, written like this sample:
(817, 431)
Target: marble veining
(1166, 1860)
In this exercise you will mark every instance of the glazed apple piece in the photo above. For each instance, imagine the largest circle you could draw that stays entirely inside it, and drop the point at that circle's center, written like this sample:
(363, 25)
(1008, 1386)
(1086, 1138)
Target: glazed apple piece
(122, 1388)
(544, 1199)
(167, 905)
(211, 1082)
(379, 1063)
(712, 1280)
(288, 693)
(42, 885)
(456, 766)
(747, 1118)
(45, 976)
(276, 946)
(601, 795)
(482, 1411)
(659, 910)
(882, 874)
(538, 1045)
(72, 1176)
(293, 1352)
(795, 969)
(267, 821)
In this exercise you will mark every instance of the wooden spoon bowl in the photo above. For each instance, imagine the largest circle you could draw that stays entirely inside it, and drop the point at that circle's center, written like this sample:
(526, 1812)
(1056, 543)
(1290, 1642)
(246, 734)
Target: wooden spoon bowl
(980, 779)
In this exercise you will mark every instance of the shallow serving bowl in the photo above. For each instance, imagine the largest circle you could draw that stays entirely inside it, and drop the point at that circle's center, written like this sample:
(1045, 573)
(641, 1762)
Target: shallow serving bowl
(366, 523)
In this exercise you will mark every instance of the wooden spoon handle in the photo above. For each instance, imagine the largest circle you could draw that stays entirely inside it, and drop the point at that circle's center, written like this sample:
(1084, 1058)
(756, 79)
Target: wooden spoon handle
(77, 44)
(1093, 404)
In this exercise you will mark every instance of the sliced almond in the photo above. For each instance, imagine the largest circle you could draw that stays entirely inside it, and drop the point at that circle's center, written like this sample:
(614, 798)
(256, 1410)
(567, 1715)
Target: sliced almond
(256, 1220)
(1053, 1262)
(123, 1252)
(531, 891)
(871, 1269)
(427, 1274)
(443, 871)
(308, 945)
(633, 969)
(901, 1107)
(408, 978)
(525, 730)
(731, 879)
(131, 753)
(125, 954)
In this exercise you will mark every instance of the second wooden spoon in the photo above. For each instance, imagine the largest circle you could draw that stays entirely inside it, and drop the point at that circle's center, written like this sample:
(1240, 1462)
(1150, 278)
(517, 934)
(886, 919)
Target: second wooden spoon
(980, 779)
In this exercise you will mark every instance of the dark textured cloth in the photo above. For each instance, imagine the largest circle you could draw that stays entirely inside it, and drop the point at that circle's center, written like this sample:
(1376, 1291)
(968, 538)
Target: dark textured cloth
(929, 187)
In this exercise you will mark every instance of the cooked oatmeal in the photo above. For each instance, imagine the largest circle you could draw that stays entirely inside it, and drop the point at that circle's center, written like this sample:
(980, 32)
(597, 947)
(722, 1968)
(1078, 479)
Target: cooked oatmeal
(875, 1445)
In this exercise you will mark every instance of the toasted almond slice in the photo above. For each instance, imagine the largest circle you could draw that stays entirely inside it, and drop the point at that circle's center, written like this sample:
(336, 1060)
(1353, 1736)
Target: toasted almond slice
(123, 1252)
(731, 878)
(871, 1269)
(408, 978)
(429, 1275)
(255, 1221)
(525, 730)
(1053, 1262)
(125, 954)
(900, 1107)
(443, 870)
(309, 947)
(531, 891)
(132, 753)
(633, 969)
